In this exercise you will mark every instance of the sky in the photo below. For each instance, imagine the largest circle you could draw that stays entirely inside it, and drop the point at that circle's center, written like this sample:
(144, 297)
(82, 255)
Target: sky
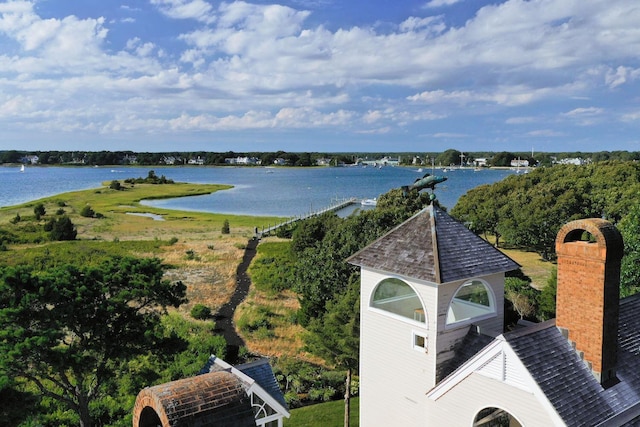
(320, 75)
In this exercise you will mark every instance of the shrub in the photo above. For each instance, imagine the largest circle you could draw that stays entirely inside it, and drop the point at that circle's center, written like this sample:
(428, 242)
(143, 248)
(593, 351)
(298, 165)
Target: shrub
(87, 212)
(60, 211)
(115, 185)
(173, 241)
(16, 219)
(200, 312)
(39, 211)
(225, 227)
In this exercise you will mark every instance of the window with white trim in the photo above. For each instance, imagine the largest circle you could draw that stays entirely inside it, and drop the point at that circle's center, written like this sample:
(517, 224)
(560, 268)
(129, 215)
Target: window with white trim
(420, 342)
(397, 297)
(472, 300)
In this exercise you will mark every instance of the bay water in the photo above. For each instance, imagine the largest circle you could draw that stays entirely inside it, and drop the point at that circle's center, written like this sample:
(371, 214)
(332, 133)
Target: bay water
(257, 191)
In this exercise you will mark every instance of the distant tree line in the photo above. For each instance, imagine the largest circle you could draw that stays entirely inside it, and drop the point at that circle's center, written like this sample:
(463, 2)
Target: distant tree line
(304, 159)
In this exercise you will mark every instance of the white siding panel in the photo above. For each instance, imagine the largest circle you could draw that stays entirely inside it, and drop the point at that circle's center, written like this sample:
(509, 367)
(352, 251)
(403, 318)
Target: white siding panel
(394, 377)
(515, 373)
(494, 368)
(460, 405)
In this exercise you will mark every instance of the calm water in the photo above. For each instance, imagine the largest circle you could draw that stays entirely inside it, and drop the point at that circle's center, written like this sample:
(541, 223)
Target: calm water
(257, 191)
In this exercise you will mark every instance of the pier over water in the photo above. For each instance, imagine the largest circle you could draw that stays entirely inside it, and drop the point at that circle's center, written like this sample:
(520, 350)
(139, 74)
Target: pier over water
(332, 208)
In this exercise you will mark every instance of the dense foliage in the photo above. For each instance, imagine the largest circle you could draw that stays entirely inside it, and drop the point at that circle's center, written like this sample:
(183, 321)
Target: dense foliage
(526, 211)
(322, 272)
(63, 330)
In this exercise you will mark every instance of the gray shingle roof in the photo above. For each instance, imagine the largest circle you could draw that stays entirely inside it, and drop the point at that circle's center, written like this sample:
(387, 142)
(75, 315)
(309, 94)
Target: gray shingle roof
(260, 370)
(569, 385)
(434, 247)
(563, 377)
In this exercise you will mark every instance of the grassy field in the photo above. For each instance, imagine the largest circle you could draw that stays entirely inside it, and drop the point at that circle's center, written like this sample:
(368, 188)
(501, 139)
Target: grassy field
(330, 414)
(533, 266)
(201, 256)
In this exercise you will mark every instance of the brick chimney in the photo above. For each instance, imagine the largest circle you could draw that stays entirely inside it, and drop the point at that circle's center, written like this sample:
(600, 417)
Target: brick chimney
(587, 303)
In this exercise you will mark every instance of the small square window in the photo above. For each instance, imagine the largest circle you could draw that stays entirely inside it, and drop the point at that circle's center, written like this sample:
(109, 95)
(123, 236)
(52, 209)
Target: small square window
(420, 342)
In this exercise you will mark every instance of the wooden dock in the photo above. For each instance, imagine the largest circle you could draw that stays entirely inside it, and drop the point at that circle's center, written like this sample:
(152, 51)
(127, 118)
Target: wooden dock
(266, 231)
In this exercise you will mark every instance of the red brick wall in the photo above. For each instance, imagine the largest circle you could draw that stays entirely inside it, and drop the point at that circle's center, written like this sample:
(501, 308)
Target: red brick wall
(588, 291)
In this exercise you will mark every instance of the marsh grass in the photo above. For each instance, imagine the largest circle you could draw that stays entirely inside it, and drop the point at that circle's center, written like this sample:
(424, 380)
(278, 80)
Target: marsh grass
(268, 324)
(209, 277)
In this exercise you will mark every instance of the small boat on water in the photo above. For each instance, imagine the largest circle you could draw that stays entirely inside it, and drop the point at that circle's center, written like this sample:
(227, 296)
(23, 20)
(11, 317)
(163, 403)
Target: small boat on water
(22, 168)
(369, 202)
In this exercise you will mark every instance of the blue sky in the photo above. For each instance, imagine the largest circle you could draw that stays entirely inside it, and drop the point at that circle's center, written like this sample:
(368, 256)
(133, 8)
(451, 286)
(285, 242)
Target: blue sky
(320, 75)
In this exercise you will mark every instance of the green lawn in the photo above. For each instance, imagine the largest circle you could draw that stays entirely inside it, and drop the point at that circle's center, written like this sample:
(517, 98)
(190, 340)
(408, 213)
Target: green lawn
(330, 414)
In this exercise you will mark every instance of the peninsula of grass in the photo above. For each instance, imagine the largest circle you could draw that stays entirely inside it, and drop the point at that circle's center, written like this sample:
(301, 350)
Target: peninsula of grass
(193, 244)
(113, 209)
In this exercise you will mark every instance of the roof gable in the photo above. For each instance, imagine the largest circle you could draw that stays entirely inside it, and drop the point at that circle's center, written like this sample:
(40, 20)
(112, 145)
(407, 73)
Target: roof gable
(257, 377)
(433, 247)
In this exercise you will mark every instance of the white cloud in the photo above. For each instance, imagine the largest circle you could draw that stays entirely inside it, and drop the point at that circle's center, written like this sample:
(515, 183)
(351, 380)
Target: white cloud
(621, 75)
(440, 3)
(259, 66)
(547, 133)
(199, 10)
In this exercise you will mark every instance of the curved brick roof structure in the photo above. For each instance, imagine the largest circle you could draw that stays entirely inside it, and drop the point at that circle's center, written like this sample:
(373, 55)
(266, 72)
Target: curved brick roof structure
(217, 399)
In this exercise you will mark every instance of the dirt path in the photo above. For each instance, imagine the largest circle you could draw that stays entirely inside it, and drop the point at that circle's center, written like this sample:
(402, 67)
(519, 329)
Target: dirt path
(224, 316)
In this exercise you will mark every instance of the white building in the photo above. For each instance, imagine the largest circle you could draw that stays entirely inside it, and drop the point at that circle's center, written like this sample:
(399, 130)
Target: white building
(433, 351)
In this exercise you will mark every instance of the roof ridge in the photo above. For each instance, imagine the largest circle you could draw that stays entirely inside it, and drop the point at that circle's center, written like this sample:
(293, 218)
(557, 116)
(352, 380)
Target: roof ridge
(434, 239)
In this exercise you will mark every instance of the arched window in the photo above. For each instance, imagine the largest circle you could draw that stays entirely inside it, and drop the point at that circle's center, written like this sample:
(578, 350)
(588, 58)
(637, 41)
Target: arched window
(473, 299)
(495, 417)
(397, 297)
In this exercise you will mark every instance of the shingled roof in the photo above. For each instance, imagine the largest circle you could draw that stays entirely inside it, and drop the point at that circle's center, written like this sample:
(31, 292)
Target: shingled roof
(564, 378)
(434, 247)
(258, 371)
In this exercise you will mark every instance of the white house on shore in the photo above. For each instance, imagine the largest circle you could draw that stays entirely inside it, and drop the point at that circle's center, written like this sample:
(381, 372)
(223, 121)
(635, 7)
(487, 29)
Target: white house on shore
(433, 350)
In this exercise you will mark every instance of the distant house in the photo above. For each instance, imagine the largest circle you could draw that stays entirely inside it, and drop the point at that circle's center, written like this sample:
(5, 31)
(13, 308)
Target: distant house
(30, 159)
(323, 162)
(280, 161)
(170, 160)
(130, 159)
(197, 161)
(242, 160)
(221, 395)
(384, 161)
(433, 350)
(482, 162)
(519, 163)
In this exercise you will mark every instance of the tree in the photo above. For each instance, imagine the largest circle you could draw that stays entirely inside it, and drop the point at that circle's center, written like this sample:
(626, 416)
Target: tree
(62, 229)
(630, 269)
(225, 227)
(502, 159)
(336, 336)
(547, 298)
(523, 297)
(449, 157)
(64, 330)
(39, 211)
